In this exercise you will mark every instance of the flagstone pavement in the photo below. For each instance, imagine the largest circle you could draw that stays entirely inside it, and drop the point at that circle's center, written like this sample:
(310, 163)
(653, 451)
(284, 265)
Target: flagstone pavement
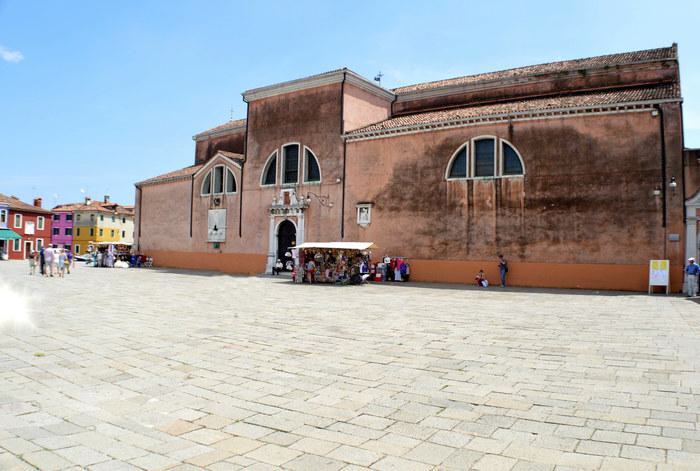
(166, 369)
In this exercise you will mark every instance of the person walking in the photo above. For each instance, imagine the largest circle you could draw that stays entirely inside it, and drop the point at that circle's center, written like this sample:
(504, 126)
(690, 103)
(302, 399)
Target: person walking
(692, 270)
(502, 269)
(42, 266)
(32, 262)
(61, 262)
(70, 262)
(48, 261)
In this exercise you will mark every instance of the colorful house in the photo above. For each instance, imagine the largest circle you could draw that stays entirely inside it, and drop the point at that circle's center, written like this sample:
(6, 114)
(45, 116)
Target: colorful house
(98, 222)
(62, 228)
(28, 227)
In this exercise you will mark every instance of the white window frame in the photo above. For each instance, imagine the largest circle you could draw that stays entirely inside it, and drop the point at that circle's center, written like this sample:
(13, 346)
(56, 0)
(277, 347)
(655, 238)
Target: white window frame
(18, 217)
(367, 206)
(3, 216)
(39, 244)
(305, 167)
(228, 171)
(503, 142)
(40, 221)
(470, 145)
(211, 185)
(17, 245)
(495, 157)
(282, 164)
(273, 154)
(451, 162)
(223, 180)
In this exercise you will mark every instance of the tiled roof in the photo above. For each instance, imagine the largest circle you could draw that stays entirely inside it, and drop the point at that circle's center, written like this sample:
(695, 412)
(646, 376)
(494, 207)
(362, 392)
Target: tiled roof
(221, 129)
(231, 155)
(95, 206)
(552, 67)
(174, 175)
(15, 203)
(631, 95)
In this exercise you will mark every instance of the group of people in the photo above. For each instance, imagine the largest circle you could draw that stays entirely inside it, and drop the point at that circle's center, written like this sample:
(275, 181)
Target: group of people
(51, 261)
(481, 280)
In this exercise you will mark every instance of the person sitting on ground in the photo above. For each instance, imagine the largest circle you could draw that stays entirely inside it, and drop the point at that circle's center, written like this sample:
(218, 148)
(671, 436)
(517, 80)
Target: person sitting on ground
(277, 267)
(481, 279)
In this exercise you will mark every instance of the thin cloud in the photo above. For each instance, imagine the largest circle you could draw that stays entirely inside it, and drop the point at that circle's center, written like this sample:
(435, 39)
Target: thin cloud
(10, 56)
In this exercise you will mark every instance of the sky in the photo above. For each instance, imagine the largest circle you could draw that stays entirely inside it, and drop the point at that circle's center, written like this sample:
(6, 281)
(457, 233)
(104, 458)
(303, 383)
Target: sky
(97, 95)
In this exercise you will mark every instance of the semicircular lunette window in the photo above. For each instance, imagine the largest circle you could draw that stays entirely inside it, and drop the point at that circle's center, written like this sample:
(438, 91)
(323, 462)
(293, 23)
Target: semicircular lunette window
(512, 165)
(312, 172)
(270, 172)
(458, 169)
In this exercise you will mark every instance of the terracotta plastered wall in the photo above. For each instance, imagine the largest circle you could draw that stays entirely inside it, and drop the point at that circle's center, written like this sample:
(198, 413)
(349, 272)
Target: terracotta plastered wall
(586, 197)
(164, 210)
(207, 147)
(361, 108)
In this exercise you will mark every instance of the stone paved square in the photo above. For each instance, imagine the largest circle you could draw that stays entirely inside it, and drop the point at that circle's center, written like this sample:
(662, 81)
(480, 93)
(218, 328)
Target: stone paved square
(161, 369)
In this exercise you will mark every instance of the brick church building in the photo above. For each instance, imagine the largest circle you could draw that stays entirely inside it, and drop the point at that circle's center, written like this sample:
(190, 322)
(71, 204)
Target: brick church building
(574, 170)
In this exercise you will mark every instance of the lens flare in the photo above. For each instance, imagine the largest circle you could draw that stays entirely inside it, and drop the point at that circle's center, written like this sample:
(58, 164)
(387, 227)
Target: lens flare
(15, 312)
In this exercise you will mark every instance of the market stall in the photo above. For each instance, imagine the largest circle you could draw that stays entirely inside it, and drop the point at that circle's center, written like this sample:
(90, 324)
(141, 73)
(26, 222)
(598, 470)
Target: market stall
(332, 262)
(108, 254)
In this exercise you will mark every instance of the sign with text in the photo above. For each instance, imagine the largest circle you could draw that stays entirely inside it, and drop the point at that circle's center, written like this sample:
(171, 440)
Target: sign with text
(659, 273)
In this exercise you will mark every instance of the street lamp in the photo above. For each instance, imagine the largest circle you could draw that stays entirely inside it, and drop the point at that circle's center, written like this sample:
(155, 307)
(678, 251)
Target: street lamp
(322, 199)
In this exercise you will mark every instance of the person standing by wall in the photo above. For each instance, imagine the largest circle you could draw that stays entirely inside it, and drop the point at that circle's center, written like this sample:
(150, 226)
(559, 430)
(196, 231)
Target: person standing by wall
(32, 263)
(48, 261)
(692, 270)
(502, 269)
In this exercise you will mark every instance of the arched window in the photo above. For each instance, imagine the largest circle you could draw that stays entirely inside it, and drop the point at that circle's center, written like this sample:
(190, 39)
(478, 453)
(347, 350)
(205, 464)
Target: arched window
(269, 176)
(230, 182)
(458, 164)
(206, 185)
(512, 165)
(312, 172)
(485, 160)
(290, 164)
(485, 157)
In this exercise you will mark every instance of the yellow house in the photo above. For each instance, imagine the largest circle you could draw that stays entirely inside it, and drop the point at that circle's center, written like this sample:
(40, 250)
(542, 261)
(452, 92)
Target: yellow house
(96, 222)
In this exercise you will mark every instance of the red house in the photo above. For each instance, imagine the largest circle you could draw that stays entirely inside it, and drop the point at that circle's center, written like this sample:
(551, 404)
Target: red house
(30, 222)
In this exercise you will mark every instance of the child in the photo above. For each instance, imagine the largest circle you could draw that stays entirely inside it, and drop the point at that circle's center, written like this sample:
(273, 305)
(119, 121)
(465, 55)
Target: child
(481, 279)
(32, 263)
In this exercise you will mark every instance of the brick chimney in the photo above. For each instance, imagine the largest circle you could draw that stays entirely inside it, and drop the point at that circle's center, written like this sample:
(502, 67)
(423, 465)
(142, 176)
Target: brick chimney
(37, 202)
(106, 199)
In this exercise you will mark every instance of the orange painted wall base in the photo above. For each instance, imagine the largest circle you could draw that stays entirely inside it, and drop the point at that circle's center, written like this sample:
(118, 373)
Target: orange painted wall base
(238, 263)
(540, 275)
(543, 275)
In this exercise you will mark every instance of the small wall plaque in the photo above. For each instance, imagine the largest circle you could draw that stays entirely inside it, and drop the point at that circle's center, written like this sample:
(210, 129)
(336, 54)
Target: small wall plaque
(674, 237)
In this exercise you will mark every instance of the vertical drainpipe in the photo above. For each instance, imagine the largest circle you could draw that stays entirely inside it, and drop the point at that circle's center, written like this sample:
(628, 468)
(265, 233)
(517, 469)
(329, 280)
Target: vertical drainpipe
(245, 160)
(191, 202)
(662, 136)
(342, 131)
(138, 240)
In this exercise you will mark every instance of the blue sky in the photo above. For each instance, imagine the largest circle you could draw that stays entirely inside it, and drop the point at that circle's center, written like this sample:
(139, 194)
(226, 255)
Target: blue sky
(95, 96)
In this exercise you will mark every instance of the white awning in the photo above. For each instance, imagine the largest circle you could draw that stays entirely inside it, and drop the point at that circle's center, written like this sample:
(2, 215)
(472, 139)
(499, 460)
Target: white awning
(336, 245)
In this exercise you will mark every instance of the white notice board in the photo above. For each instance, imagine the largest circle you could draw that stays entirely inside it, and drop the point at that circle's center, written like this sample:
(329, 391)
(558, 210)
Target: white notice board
(659, 273)
(216, 225)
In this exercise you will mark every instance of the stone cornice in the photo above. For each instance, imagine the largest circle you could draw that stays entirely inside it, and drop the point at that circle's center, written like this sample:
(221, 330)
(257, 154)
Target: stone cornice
(512, 116)
(327, 78)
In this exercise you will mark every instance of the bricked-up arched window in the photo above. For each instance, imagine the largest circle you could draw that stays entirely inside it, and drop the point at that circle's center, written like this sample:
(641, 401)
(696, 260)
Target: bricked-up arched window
(312, 172)
(269, 176)
(485, 157)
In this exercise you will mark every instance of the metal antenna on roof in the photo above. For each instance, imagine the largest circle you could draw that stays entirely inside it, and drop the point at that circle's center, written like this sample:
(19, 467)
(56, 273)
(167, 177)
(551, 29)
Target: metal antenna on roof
(378, 77)
(230, 118)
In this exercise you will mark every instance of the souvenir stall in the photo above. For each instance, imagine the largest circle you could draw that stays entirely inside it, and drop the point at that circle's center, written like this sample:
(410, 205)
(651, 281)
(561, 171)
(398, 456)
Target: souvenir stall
(332, 262)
